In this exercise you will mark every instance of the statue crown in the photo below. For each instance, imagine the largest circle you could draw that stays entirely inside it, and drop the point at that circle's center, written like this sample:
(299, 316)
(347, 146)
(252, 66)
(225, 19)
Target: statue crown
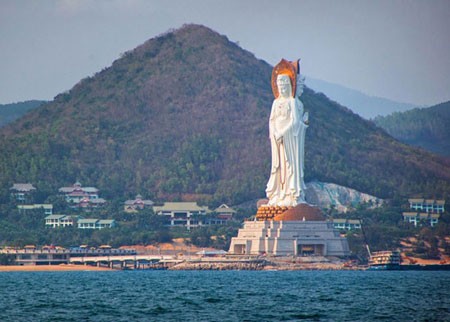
(285, 67)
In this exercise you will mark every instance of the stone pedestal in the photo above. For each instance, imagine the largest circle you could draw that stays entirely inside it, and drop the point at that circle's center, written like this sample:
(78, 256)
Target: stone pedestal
(301, 212)
(269, 212)
(292, 231)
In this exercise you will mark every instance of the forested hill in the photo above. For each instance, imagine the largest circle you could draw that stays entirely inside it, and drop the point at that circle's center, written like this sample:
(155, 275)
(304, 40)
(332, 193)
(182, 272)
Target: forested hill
(424, 127)
(11, 112)
(185, 115)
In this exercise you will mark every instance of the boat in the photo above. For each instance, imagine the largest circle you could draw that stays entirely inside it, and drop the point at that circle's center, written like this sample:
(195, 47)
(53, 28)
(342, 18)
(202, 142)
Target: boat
(385, 260)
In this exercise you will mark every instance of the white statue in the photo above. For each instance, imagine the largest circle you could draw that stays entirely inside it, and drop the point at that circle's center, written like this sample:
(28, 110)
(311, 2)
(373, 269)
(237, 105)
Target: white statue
(287, 127)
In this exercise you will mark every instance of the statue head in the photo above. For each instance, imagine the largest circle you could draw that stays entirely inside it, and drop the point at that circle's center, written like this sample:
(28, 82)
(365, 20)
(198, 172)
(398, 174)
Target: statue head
(290, 69)
(284, 86)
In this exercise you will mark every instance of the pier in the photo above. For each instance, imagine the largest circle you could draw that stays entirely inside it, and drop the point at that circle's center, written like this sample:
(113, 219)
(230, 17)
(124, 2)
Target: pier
(110, 257)
(128, 261)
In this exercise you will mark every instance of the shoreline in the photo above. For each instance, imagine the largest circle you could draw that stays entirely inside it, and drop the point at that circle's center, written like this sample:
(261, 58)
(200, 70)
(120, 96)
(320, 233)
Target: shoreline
(219, 265)
(53, 268)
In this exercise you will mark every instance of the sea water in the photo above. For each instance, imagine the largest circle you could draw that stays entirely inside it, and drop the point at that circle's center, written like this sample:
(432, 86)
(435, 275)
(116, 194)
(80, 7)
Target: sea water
(225, 296)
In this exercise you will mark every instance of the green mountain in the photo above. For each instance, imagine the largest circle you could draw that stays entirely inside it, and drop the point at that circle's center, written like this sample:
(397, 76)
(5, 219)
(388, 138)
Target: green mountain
(422, 127)
(11, 112)
(185, 115)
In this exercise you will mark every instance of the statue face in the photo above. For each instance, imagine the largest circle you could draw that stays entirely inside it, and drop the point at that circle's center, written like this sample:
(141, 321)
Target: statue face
(284, 85)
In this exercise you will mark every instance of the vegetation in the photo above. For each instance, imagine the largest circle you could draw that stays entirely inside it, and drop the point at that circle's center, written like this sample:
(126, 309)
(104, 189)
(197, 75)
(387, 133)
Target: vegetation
(134, 229)
(421, 127)
(18, 229)
(384, 229)
(184, 116)
(11, 112)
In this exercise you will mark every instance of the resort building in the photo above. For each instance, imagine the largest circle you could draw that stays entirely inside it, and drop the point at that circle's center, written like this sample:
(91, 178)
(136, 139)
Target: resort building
(346, 224)
(47, 208)
(427, 205)
(96, 223)
(224, 212)
(425, 211)
(421, 217)
(220, 216)
(22, 192)
(87, 204)
(82, 197)
(186, 214)
(54, 221)
(106, 223)
(133, 206)
(76, 192)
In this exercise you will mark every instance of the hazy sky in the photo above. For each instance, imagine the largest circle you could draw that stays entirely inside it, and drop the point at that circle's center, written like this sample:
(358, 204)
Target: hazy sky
(394, 49)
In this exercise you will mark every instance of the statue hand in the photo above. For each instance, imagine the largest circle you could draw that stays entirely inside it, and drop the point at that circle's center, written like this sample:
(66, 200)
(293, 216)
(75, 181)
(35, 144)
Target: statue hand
(277, 136)
(300, 85)
(306, 117)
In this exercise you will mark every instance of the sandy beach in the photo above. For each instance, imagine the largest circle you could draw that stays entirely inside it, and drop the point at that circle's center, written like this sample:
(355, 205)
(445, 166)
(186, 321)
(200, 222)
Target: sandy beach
(52, 268)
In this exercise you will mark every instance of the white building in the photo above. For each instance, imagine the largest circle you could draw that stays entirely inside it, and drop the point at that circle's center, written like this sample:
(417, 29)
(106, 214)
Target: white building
(427, 205)
(424, 210)
(347, 224)
(106, 223)
(186, 214)
(417, 217)
(47, 208)
(90, 223)
(59, 221)
(22, 192)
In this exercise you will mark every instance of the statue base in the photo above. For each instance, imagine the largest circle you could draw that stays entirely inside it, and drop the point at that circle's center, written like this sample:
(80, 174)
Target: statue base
(301, 212)
(269, 212)
(289, 231)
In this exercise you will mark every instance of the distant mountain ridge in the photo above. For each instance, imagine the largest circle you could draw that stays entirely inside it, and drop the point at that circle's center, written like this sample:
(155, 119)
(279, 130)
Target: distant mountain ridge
(13, 111)
(364, 105)
(422, 127)
(186, 113)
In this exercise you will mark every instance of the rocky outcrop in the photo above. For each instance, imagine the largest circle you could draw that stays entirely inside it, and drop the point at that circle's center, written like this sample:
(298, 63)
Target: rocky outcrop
(327, 195)
(219, 265)
(271, 263)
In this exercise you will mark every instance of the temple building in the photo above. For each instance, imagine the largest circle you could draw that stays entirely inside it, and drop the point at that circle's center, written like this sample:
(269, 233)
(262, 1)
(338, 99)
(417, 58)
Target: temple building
(190, 214)
(81, 197)
(223, 214)
(22, 192)
(133, 206)
(186, 214)
(297, 231)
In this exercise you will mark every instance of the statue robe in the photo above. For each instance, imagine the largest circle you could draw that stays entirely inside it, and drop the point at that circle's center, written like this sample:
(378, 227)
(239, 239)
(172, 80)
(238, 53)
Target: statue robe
(287, 136)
